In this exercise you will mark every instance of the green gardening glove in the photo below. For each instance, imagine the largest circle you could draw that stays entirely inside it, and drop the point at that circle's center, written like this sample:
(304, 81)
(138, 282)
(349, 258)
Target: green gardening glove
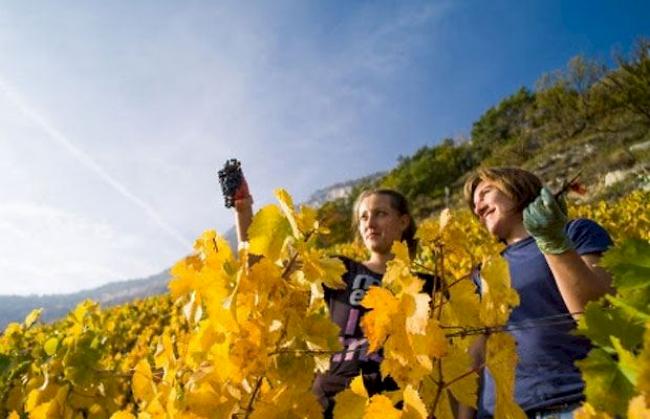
(545, 219)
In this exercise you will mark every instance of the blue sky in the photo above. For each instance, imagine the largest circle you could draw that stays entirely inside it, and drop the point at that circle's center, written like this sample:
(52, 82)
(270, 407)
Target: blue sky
(114, 116)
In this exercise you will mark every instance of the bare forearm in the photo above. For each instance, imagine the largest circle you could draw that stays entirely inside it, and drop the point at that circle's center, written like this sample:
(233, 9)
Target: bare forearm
(243, 219)
(578, 278)
(466, 412)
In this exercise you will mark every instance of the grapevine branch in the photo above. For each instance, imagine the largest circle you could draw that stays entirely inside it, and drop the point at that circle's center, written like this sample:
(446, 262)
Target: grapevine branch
(258, 384)
(567, 184)
(249, 407)
(423, 267)
(443, 284)
(555, 320)
(289, 268)
(464, 375)
(440, 384)
(308, 352)
(463, 331)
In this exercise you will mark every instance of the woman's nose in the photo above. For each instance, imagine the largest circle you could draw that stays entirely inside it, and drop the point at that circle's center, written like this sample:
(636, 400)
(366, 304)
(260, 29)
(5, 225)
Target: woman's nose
(478, 207)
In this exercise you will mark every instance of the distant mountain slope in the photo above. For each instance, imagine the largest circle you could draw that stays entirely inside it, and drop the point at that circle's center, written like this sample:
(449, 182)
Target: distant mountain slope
(340, 190)
(14, 308)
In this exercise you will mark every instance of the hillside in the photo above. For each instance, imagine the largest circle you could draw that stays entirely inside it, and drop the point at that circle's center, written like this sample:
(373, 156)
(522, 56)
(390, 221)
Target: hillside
(15, 308)
(584, 118)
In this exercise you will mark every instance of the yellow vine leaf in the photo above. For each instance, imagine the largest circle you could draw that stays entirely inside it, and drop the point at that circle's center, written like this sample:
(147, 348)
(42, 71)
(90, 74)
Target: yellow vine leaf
(428, 231)
(414, 407)
(286, 204)
(351, 402)
(40, 395)
(354, 251)
(193, 309)
(429, 390)
(184, 274)
(463, 306)
(123, 414)
(80, 399)
(357, 386)
(262, 288)
(318, 268)
(33, 400)
(97, 411)
(321, 333)
(267, 232)
(200, 342)
(12, 330)
(444, 409)
(497, 297)
(377, 323)
(51, 345)
(204, 401)
(142, 383)
(220, 355)
(626, 360)
(412, 338)
(457, 364)
(398, 276)
(14, 415)
(638, 409)
(401, 252)
(307, 220)
(214, 249)
(587, 411)
(381, 407)
(14, 399)
(501, 359)
(164, 356)
(286, 402)
(445, 218)
(32, 317)
(54, 408)
(643, 379)
(403, 366)
(155, 409)
(417, 310)
(291, 368)
(43, 411)
(409, 353)
(438, 343)
(349, 405)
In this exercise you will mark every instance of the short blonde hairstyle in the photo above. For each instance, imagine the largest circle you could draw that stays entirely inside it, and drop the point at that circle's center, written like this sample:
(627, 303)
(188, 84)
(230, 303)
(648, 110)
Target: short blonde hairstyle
(518, 184)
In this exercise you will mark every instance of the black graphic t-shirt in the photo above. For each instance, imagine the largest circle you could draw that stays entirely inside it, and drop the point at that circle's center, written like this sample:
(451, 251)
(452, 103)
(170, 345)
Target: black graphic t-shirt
(346, 311)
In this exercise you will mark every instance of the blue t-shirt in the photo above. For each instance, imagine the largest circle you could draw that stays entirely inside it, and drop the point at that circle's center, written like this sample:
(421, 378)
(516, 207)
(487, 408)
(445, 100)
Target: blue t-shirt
(545, 373)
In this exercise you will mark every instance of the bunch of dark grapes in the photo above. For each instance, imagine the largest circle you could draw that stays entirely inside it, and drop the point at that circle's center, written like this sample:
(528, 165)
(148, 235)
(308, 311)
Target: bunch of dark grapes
(231, 179)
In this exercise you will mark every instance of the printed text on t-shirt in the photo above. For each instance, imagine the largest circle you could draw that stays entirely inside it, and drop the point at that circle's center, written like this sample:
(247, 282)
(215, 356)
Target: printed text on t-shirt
(360, 285)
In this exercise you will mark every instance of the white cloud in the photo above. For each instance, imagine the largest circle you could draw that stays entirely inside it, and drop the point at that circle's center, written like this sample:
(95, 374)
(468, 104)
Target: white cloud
(49, 250)
(88, 162)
